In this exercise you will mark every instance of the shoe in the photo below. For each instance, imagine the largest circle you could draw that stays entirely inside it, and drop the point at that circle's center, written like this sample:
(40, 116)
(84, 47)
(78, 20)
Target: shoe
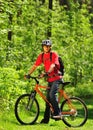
(43, 121)
(57, 116)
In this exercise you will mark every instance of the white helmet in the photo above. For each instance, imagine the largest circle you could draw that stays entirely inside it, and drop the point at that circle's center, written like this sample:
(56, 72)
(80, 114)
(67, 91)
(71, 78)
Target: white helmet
(46, 42)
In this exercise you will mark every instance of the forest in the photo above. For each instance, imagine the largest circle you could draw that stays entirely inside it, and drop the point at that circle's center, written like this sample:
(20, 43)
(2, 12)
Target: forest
(23, 26)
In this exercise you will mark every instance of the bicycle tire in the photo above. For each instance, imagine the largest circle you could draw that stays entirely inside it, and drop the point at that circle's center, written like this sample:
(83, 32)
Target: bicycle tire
(26, 109)
(78, 119)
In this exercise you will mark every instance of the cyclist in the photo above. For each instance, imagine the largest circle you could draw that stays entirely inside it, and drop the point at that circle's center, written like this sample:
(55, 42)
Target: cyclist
(51, 66)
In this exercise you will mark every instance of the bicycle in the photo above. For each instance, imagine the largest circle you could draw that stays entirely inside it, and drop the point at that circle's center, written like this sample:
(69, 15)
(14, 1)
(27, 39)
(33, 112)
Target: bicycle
(73, 109)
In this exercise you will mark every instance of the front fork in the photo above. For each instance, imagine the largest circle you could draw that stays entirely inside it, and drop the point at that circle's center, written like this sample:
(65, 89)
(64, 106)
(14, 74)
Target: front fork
(31, 100)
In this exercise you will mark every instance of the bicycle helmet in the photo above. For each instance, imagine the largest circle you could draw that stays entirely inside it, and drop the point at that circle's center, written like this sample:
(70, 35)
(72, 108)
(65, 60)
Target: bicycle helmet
(46, 42)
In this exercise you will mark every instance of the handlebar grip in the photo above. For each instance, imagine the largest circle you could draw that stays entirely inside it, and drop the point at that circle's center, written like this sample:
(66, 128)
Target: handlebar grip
(27, 76)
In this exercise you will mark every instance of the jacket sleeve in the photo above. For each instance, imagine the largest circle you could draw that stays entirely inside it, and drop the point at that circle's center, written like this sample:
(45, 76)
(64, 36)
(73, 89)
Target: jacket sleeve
(38, 60)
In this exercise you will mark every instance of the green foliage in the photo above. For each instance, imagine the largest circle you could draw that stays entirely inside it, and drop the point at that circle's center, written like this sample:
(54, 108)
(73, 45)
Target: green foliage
(85, 90)
(28, 20)
(10, 86)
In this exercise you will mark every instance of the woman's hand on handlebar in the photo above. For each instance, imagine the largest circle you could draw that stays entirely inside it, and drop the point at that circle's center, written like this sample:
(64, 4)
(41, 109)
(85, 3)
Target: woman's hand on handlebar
(27, 76)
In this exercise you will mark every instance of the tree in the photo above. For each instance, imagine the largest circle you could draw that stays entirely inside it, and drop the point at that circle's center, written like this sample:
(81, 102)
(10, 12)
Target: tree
(50, 18)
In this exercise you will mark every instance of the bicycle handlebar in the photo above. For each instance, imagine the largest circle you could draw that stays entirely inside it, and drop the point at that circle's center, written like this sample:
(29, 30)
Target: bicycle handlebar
(32, 77)
(38, 77)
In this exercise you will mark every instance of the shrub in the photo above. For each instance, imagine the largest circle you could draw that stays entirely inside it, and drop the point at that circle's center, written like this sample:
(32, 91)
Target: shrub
(10, 86)
(84, 90)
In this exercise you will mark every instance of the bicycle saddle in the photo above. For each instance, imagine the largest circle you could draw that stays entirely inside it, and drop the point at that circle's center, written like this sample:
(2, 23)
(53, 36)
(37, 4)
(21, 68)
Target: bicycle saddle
(65, 83)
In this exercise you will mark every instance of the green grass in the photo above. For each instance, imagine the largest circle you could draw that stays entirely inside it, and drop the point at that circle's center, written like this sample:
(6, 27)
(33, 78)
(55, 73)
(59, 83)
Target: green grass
(9, 122)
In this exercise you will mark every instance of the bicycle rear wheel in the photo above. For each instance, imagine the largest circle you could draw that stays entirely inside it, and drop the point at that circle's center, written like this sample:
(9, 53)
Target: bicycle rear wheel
(26, 109)
(79, 117)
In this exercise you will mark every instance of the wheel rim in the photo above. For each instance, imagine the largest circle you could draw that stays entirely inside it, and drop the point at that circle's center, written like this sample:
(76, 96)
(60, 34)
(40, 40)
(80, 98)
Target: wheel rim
(77, 119)
(27, 110)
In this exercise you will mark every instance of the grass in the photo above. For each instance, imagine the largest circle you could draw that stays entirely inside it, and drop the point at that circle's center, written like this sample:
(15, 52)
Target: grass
(9, 122)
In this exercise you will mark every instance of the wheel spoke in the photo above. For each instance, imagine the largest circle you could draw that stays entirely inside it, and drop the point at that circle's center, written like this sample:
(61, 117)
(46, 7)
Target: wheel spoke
(26, 109)
(78, 117)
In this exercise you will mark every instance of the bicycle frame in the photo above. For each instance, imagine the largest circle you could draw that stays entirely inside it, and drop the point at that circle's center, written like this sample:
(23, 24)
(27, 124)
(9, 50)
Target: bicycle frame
(61, 94)
(37, 86)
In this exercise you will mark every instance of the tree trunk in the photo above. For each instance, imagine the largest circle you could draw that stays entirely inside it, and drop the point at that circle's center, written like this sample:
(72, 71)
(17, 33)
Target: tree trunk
(49, 19)
(10, 31)
(9, 34)
(10, 23)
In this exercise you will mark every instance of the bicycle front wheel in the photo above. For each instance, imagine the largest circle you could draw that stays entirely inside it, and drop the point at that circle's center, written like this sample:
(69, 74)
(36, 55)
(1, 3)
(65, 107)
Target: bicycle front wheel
(79, 117)
(26, 109)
